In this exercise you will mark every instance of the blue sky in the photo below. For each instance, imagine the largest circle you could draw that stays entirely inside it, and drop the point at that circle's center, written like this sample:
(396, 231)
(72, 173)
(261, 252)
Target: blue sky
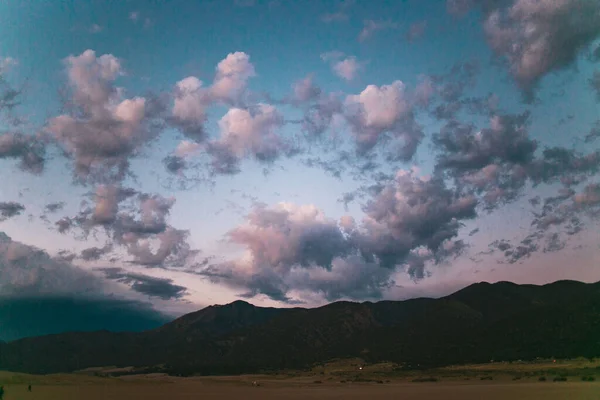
(248, 244)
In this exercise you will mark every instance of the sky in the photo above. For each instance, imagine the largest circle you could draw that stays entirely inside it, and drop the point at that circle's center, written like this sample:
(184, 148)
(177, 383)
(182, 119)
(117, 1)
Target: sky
(165, 156)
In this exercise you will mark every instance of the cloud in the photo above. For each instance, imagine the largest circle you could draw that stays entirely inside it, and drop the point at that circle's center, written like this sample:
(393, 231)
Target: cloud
(107, 130)
(54, 207)
(189, 109)
(459, 7)
(321, 114)
(247, 133)
(370, 27)
(559, 164)
(290, 247)
(137, 221)
(493, 161)
(346, 68)
(594, 133)
(147, 285)
(34, 316)
(168, 248)
(305, 90)
(10, 209)
(536, 37)
(341, 14)
(28, 271)
(94, 253)
(595, 83)
(416, 31)
(231, 77)
(28, 149)
(464, 148)
(412, 213)
(95, 28)
(186, 148)
(107, 199)
(384, 110)
(174, 164)
(191, 99)
(292, 251)
(6, 63)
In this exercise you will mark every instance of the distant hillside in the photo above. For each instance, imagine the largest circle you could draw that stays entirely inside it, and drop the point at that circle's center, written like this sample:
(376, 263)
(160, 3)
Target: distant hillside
(500, 321)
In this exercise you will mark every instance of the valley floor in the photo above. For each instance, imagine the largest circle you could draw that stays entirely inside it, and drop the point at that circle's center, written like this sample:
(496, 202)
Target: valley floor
(235, 388)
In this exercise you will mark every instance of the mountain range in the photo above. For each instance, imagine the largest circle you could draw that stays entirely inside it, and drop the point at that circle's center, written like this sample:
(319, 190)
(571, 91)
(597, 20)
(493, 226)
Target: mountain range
(482, 322)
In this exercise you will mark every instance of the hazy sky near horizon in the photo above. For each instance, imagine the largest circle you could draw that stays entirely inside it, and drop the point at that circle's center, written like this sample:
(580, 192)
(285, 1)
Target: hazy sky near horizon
(296, 152)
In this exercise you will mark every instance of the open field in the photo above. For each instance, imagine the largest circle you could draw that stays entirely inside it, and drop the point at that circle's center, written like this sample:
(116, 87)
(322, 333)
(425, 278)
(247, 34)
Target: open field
(342, 379)
(190, 388)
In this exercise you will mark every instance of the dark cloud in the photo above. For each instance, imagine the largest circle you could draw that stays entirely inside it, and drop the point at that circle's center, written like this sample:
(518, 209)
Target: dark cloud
(29, 271)
(174, 164)
(30, 150)
(35, 316)
(492, 162)
(148, 285)
(561, 164)
(535, 37)
(54, 207)
(94, 253)
(42, 295)
(410, 213)
(554, 243)
(464, 148)
(594, 133)
(524, 249)
(10, 209)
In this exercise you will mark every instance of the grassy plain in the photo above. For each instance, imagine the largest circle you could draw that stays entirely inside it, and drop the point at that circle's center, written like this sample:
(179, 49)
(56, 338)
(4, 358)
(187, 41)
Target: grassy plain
(343, 379)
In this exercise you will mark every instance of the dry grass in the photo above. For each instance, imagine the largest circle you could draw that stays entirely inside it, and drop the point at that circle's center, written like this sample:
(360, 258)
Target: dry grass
(241, 388)
(578, 363)
(341, 379)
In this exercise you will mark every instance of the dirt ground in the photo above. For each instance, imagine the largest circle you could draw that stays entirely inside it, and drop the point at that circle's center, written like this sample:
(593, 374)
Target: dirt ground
(194, 388)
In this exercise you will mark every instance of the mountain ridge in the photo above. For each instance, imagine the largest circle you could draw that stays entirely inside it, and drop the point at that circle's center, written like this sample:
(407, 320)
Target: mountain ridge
(480, 322)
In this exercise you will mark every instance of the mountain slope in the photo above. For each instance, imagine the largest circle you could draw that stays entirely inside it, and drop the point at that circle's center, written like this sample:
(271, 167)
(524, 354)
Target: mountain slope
(478, 323)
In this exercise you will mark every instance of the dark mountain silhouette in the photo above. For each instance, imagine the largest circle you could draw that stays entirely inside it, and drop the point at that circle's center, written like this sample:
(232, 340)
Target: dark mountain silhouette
(501, 321)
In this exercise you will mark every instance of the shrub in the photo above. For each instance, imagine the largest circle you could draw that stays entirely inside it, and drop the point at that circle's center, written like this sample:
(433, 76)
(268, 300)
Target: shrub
(588, 378)
(429, 379)
(542, 379)
(318, 382)
(559, 379)
(487, 378)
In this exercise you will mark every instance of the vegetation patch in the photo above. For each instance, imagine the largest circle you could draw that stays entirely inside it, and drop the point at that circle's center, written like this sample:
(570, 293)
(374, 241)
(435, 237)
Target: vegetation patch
(426, 379)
